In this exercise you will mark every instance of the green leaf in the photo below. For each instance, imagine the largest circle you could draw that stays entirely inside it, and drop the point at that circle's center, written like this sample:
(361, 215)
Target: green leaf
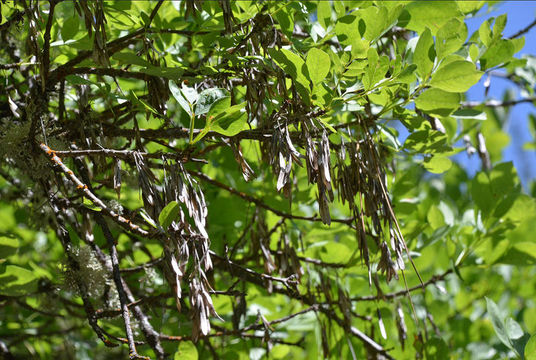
(177, 94)
(480, 192)
(148, 219)
(450, 37)
(219, 106)
(346, 29)
(437, 164)
(530, 349)
(295, 70)
(16, 281)
(469, 114)
(170, 73)
(376, 21)
(186, 351)
(500, 52)
(285, 20)
(424, 54)
(438, 102)
(457, 76)
(517, 337)
(484, 32)
(318, 65)
(407, 75)
(129, 58)
(436, 348)
(232, 121)
(498, 323)
(293, 65)
(470, 6)
(474, 52)
(9, 245)
(431, 14)
(323, 13)
(498, 27)
(503, 179)
(330, 251)
(208, 97)
(513, 329)
(520, 254)
(135, 99)
(90, 205)
(427, 141)
(168, 214)
(376, 69)
(435, 217)
(78, 80)
(70, 28)
(224, 119)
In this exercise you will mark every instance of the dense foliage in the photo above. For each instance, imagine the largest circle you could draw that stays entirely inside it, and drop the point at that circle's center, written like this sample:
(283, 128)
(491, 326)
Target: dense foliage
(219, 179)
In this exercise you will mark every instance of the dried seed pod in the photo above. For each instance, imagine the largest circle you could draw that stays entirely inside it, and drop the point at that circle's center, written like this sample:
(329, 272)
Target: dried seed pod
(401, 326)
(386, 264)
(117, 177)
(247, 171)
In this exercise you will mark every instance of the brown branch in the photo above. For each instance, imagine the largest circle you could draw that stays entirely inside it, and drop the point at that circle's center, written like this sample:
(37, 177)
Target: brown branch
(153, 13)
(289, 282)
(314, 261)
(65, 239)
(124, 154)
(45, 56)
(496, 103)
(525, 30)
(83, 188)
(434, 279)
(15, 66)
(143, 266)
(106, 71)
(111, 47)
(261, 204)
(147, 329)
(118, 283)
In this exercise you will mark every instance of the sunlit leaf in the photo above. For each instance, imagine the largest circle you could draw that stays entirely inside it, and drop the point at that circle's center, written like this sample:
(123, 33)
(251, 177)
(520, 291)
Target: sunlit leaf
(457, 76)
(186, 351)
(16, 281)
(168, 214)
(318, 64)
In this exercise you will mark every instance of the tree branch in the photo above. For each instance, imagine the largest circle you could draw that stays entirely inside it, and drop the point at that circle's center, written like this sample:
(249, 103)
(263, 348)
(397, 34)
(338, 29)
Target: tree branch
(525, 30)
(261, 204)
(496, 103)
(434, 279)
(118, 284)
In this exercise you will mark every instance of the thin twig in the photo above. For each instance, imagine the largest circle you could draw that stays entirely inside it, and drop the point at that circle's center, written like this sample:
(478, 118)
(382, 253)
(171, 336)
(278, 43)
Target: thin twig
(260, 203)
(125, 223)
(122, 154)
(45, 56)
(118, 283)
(65, 239)
(153, 13)
(525, 30)
(496, 103)
(433, 280)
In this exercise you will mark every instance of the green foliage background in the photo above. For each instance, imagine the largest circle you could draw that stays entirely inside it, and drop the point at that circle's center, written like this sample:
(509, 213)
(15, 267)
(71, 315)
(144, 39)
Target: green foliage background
(200, 81)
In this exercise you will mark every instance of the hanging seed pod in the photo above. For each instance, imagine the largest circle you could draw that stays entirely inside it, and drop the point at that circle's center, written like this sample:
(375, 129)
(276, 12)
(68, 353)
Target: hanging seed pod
(247, 171)
(387, 265)
(117, 177)
(401, 326)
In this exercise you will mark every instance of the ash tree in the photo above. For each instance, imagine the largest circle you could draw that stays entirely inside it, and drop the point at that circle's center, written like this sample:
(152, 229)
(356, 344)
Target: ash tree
(274, 179)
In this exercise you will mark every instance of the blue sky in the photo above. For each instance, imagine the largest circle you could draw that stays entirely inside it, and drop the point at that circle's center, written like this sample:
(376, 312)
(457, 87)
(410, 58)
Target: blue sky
(520, 14)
